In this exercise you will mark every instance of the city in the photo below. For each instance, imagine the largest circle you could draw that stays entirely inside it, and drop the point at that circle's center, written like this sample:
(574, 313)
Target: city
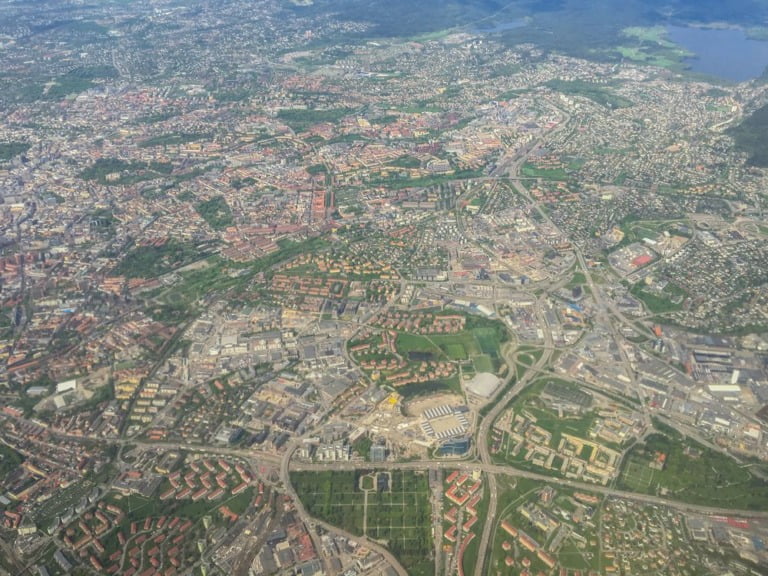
(282, 295)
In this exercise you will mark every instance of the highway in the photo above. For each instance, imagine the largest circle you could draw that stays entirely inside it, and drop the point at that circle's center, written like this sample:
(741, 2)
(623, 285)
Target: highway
(483, 434)
(512, 168)
(609, 317)
(286, 464)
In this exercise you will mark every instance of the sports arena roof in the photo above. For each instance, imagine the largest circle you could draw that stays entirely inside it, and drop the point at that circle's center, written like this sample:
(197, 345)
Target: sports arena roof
(484, 384)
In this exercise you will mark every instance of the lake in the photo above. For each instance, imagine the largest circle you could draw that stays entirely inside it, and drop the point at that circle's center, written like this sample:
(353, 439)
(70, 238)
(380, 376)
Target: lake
(724, 53)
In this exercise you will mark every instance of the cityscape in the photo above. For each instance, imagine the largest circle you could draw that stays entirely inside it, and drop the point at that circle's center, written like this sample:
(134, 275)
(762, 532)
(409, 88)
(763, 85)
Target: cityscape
(284, 291)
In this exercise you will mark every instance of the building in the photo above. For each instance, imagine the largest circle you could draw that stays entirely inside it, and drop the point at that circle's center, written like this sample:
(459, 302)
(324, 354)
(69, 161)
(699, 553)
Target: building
(561, 396)
(311, 568)
(484, 384)
(378, 453)
(67, 386)
(336, 452)
(455, 447)
(228, 434)
(168, 462)
(62, 561)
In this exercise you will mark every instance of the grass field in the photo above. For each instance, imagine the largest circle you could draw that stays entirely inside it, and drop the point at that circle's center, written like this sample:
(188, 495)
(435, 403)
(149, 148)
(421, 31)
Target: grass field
(400, 518)
(137, 507)
(488, 340)
(456, 351)
(526, 360)
(484, 363)
(481, 345)
(407, 343)
(457, 346)
(239, 503)
(571, 557)
(668, 301)
(637, 476)
(578, 279)
(650, 45)
(511, 494)
(531, 171)
(477, 348)
(555, 424)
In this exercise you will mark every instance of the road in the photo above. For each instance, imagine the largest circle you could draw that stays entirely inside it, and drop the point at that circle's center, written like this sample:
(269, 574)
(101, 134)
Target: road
(483, 434)
(511, 167)
(249, 454)
(308, 520)
(437, 521)
(286, 480)
(515, 473)
(608, 317)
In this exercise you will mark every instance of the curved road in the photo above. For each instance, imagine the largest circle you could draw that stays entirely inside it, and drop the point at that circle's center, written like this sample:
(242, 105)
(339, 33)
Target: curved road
(286, 479)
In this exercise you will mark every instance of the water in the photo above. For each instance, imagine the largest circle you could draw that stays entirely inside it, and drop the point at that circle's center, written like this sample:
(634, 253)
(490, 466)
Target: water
(724, 53)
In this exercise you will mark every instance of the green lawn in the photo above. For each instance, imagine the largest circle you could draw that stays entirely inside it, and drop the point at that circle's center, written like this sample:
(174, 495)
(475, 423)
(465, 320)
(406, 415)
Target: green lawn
(137, 507)
(637, 475)
(571, 557)
(598, 93)
(407, 343)
(693, 473)
(400, 518)
(239, 503)
(530, 171)
(425, 388)
(456, 351)
(484, 363)
(479, 343)
(450, 344)
(578, 279)
(488, 340)
(657, 303)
